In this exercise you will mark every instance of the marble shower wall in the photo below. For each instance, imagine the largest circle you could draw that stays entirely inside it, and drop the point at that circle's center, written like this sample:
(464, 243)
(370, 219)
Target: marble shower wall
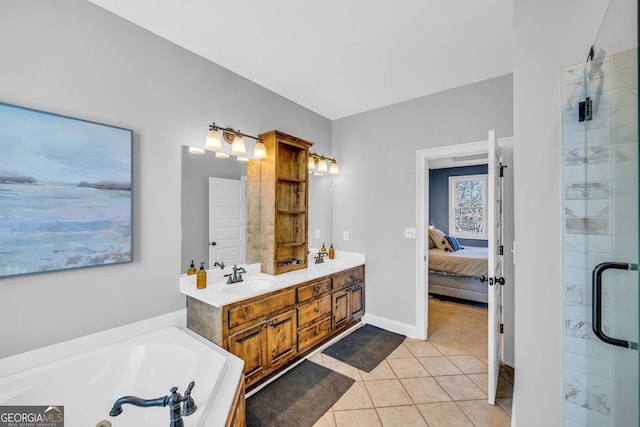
(600, 191)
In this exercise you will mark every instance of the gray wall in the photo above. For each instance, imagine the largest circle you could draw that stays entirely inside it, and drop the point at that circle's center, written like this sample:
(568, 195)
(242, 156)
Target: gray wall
(439, 198)
(73, 58)
(548, 36)
(375, 196)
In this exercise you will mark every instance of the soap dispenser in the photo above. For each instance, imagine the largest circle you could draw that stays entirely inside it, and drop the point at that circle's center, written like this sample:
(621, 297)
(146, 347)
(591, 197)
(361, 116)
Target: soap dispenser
(323, 249)
(201, 280)
(332, 253)
(192, 269)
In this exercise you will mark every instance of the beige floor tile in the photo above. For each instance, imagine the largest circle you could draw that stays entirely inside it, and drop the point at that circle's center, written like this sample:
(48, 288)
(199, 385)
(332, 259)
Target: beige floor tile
(505, 403)
(316, 358)
(407, 368)
(381, 372)
(449, 350)
(425, 390)
(444, 414)
(357, 397)
(401, 416)
(439, 365)
(422, 348)
(481, 380)
(459, 387)
(327, 420)
(484, 415)
(469, 364)
(400, 353)
(344, 369)
(357, 418)
(388, 393)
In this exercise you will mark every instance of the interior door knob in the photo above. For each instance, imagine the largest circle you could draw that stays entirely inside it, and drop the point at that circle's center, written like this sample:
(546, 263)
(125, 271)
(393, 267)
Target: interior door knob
(213, 243)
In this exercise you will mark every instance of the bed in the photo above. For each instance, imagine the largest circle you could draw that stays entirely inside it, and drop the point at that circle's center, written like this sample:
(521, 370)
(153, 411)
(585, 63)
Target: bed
(457, 274)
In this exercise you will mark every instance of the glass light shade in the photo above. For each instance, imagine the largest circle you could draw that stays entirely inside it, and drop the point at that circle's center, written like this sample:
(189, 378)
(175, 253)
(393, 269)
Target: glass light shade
(222, 155)
(317, 174)
(322, 166)
(196, 150)
(333, 168)
(213, 141)
(238, 146)
(259, 151)
(312, 164)
(242, 159)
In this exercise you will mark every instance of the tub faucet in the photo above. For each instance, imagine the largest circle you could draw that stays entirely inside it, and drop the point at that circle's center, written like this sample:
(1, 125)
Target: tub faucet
(236, 276)
(173, 401)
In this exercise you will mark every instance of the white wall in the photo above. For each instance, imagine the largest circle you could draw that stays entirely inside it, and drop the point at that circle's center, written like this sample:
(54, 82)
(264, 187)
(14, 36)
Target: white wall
(374, 196)
(549, 34)
(73, 58)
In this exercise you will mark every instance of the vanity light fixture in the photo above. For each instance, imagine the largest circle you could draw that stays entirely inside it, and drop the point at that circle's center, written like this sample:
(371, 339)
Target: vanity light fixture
(318, 163)
(236, 138)
(196, 150)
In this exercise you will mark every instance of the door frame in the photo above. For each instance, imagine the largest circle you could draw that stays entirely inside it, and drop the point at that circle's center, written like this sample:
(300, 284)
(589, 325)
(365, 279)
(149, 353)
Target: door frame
(422, 208)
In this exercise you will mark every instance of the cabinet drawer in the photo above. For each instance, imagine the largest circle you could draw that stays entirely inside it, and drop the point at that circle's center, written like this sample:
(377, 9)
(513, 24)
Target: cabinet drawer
(314, 310)
(313, 289)
(313, 334)
(241, 313)
(348, 277)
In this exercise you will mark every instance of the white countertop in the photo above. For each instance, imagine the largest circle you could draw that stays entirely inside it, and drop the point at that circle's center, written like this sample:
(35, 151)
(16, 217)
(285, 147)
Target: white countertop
(218, 293)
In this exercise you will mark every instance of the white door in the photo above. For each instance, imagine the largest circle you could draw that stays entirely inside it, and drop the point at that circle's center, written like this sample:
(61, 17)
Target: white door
(227, 221)
(494, 213)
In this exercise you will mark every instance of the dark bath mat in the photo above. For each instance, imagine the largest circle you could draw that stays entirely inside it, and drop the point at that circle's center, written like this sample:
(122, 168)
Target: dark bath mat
(299, 398)
(366, 347)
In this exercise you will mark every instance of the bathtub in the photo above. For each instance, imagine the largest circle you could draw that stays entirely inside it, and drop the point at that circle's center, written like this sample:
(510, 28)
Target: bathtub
(147, 366)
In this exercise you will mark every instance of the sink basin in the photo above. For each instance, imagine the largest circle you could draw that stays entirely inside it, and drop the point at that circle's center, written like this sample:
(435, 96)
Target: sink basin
(250, 285)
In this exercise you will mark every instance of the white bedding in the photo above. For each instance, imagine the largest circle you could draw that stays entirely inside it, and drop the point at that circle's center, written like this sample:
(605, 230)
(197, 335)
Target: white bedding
(468, 262)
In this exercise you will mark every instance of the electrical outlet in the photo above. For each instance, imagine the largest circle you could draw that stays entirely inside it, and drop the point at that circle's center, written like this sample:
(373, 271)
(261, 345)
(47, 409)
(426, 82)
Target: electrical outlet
(345, 235)
(317, 234)
(410, 233)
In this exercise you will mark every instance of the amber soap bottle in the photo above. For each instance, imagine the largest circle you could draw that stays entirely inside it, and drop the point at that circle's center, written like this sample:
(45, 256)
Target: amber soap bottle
(201, 279)
(192, 269)
(332, 253)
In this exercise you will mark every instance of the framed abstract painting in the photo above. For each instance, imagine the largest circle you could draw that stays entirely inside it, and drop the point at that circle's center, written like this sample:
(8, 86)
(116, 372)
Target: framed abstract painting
(65, 192)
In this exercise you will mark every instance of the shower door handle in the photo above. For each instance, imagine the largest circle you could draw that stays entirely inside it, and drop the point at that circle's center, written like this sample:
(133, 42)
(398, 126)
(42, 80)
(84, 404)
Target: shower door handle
(596, 303)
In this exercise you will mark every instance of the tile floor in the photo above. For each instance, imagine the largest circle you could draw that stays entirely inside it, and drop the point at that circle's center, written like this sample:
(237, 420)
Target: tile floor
(441, 382)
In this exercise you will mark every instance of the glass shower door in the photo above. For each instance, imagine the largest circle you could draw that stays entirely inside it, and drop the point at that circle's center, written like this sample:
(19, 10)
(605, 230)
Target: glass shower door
(600, 245)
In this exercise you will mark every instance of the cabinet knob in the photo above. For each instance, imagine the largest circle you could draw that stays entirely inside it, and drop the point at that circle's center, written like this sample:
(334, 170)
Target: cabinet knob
(270, 323)
(317, 310)
(316, 289)
(316, 333)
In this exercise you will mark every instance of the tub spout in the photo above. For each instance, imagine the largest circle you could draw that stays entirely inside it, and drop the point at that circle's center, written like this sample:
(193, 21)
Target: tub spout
(173, 400)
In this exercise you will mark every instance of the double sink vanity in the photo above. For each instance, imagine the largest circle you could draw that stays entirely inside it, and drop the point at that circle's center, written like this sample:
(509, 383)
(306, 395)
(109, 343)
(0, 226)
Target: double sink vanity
(271, 321)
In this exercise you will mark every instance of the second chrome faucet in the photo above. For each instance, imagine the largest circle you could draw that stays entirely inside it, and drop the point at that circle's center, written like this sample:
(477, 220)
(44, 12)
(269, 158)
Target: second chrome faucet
(236, 276)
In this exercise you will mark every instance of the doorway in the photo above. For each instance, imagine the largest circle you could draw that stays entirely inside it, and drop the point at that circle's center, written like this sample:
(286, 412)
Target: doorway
(425, 159)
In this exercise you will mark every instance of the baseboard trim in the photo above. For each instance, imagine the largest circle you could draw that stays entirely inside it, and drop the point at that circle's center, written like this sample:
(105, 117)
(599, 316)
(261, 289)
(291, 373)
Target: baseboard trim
(390, 325)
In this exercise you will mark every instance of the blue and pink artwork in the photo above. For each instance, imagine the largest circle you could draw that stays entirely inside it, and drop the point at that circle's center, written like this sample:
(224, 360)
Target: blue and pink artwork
(65, 192)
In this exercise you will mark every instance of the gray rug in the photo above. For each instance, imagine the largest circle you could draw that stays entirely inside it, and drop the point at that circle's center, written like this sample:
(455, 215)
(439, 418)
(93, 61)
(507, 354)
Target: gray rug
(299, 398)
(366, 347)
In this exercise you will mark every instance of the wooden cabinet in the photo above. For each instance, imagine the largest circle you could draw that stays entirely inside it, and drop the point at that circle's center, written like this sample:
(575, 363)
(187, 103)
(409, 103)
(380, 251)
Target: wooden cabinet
(237, 414)
(278, 197)
(272, 330)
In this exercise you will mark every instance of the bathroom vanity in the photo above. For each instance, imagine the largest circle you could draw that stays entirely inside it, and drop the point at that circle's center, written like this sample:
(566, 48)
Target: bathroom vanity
(272, 321)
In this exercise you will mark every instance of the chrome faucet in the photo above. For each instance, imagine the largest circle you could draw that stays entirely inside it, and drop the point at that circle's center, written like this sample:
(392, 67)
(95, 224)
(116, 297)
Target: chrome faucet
(236, 277)
(173, 401)
(219, 264)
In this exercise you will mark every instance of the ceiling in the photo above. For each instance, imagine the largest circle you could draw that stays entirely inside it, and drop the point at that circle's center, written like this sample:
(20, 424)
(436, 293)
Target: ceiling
(339, 57)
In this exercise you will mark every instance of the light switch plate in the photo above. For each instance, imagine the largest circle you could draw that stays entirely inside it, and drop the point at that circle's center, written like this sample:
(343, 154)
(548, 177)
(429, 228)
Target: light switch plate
(345, 235)
(317, 234)
(410, 232)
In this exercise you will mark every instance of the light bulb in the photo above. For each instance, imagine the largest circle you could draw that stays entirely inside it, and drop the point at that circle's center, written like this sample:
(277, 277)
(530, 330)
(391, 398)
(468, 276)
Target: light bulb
(259, 151)
(213, 141)
(333, 168)
(322, 166)
(238, 146)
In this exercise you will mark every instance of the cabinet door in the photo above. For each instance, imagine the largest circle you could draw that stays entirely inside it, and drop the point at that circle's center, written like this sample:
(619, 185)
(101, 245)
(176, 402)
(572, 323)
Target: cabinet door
(250, 345)
(340, 303)
(356, 303)
(281, 338)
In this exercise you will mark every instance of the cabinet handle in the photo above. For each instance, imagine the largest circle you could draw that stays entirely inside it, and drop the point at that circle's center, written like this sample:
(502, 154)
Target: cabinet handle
(317, 310)
(265, 325)
(270, 323)
(316, 333)
(316, 289)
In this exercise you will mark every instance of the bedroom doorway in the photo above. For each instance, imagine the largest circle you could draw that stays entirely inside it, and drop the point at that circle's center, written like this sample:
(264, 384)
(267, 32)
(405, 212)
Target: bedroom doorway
(463, 153)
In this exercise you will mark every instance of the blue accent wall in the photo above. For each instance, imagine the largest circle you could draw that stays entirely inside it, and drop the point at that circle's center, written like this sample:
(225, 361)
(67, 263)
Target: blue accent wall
(439, 198)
